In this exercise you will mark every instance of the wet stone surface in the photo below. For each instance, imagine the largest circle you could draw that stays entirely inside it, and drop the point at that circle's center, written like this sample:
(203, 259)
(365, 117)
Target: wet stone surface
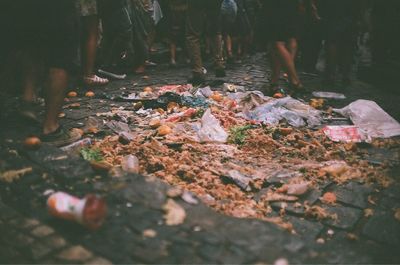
(135, 203)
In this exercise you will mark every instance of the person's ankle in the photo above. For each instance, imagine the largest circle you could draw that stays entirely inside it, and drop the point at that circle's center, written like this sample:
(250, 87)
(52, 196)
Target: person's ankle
(48, 129)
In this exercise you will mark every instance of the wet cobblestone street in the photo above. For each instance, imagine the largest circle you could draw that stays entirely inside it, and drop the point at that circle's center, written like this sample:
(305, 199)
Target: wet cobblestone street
(366, 229)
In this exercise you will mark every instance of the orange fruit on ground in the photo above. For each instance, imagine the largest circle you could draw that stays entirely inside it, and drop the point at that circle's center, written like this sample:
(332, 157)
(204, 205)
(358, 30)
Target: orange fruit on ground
(72, 94)
(89, 94)
(329, 197)
(32, 142)
(148, 89)
(278, 95)
(164, 130)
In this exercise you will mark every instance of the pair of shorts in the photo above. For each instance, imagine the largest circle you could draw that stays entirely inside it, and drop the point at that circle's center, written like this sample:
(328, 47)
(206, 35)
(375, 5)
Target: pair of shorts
(86, 7)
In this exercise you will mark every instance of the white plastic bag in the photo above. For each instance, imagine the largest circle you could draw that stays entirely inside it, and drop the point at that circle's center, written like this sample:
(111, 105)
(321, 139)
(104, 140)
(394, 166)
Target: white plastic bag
(211, 130)
(371, 119)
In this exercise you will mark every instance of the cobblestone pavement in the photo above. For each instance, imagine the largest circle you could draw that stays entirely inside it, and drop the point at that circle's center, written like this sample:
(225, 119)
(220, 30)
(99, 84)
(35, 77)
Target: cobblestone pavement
(366, 230)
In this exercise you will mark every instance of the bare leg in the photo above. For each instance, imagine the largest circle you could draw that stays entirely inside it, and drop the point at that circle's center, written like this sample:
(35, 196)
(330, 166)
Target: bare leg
(89, 43)
(292, 48)
(55, 89)
(228, 45)
(275, 66)
(172, 51)
(287, 60)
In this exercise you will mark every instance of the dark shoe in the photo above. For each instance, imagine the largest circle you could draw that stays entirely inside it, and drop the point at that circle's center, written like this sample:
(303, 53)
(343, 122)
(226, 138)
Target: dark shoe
(61, 137)
(297, 90)
(220, 72)
(197, 79)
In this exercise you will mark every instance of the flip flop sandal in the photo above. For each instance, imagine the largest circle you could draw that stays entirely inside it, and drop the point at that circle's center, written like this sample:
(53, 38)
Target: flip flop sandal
(60, 137)
(95, 80)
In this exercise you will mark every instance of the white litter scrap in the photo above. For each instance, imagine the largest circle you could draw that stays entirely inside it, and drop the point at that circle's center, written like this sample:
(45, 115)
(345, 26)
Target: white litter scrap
(332, 95)
(371, 119)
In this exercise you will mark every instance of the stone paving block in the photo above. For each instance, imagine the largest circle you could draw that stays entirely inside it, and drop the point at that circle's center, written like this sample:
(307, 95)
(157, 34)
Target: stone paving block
(75, 254)
(305, 229)
(347, 217)
(8, 213)
(98, 261)
(42, 231)
(39, 250)
(55, 242)
(383, 227)
(23, 240)
(29, 223)
(389, 203)
(350, 197)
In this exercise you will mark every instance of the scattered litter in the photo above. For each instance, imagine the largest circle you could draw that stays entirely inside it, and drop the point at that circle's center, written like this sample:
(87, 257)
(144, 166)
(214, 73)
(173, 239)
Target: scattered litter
(112, 75)
(189, 198)
(211, 130)
(13, 175)
(239, 179)
(89, 211)
(281, 261)
(130, 164)
(319, 94)
(368, 212)
(329, 198)
(233, 88)
(174, 192)
(150, 233)
(76, 147)
(371, 119)
(174, 213)
(347, 134)
(297, 189)
(397, 214)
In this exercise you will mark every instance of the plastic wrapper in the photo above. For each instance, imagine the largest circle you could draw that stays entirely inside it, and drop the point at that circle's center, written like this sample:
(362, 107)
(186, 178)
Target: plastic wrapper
(130, 164)
(211, 130)
(332, 95)
(371, 119)
(89, 211)
(347, 134)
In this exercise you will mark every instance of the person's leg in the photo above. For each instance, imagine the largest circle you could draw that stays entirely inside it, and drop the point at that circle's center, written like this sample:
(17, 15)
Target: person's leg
(228, 47)
(89, 43)
(292, 48)
(172, 51)
(213, 14)
(194, 23)
(55, 92)
(287, 61)
(275, 66)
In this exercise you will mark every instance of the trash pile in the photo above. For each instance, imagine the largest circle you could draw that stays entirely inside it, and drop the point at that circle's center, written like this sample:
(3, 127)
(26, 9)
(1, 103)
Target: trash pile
(240, 151)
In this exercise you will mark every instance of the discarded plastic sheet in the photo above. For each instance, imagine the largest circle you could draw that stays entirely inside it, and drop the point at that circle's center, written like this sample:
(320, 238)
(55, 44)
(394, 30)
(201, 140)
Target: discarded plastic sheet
(12, 175)
(118, 127)
(89, 211)
(130, 164)
(292, 110)
(347, 134)
(241, 180)
(189, 198)
(371, 119)
(233, 88)
(332, 95)
(211, 130)
(75, 148)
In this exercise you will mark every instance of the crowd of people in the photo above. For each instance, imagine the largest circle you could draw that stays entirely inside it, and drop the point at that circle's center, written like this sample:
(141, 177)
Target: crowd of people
(43, 39)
